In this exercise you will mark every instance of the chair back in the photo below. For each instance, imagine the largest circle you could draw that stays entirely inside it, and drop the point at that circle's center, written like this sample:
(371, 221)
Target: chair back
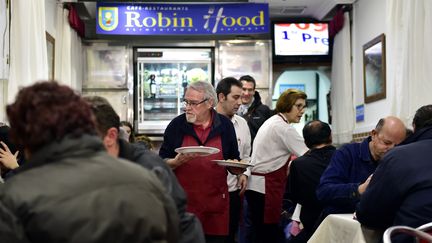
(418, 234)
(426, 228)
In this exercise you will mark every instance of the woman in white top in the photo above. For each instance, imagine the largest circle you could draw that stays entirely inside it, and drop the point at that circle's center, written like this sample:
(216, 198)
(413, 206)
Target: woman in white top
(274, 143)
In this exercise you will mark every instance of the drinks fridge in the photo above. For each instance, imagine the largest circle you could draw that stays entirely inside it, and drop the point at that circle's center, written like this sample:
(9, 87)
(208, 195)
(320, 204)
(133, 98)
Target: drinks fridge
(161, 77)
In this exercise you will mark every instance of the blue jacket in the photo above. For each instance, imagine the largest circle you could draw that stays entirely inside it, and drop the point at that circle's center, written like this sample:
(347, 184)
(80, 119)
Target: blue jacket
(178, 127)
(400, 192)
(350, 166)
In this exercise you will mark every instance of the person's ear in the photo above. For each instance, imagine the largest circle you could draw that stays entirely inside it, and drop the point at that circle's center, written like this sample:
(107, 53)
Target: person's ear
(221, 97)
(373, 133)
(111, 137)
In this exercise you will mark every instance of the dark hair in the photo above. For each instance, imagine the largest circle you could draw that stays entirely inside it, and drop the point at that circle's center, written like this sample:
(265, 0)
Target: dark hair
(409, 132)
(248, 78)
(127, 124)
(423, 117)
(288, 98)
(46, 112)
(224, 86)
(106, 117)
(132, 135)
(379, 125)
(316, 133)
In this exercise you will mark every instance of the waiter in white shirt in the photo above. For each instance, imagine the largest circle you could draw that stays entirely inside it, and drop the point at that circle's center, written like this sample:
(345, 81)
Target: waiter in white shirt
(229, 92)
(274, 143)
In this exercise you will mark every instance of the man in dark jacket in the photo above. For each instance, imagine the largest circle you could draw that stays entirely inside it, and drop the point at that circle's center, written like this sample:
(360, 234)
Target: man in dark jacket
(351, 166)
(70, 189)
(108, 123)
(305, 173)
(252, 109)
(400, 191)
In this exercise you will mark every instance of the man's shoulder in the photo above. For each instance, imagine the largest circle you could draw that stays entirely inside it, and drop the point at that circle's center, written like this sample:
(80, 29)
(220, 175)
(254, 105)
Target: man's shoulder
(304, 160)
(262, 107)
(361, 150)
(347, 153)
(142, 154)
(300, 161)
(178, 120)
(350, 147)
(415, 150)
(139, 154)
(240, 120)
(225, 121)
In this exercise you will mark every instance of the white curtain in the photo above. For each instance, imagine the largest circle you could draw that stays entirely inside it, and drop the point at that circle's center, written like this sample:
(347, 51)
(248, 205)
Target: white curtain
(4, 53)
(341, 86)
(69, 64)
(28, 52)
(409, 55)
(4, 39)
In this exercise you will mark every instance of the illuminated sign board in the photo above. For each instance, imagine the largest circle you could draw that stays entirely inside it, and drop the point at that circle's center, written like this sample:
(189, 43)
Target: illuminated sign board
(181, 19)
(291, 39)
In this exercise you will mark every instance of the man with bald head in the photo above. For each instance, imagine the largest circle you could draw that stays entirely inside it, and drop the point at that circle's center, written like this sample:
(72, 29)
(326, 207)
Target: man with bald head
(400, 192)
(351, 167)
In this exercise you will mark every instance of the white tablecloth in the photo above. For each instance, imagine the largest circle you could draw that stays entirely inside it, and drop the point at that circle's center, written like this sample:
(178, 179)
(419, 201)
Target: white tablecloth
(342, 228)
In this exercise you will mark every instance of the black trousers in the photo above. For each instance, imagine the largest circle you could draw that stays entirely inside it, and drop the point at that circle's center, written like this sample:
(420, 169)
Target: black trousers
(215, 239)
(302, 237)
(234, 216)
(258, 232)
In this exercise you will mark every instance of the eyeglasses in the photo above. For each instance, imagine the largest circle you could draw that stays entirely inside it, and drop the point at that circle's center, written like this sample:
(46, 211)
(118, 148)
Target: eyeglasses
(300, 106)
(193, 103)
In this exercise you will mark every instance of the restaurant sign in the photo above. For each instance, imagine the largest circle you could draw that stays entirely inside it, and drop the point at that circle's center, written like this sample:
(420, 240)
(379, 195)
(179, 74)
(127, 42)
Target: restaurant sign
(182, 19)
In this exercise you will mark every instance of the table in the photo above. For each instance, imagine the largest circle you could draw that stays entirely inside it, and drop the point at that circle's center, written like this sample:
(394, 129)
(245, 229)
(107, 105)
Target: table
(342, 228)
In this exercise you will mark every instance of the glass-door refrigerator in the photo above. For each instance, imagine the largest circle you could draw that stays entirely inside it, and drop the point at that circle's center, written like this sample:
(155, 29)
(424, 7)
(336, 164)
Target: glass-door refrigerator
(161, 78)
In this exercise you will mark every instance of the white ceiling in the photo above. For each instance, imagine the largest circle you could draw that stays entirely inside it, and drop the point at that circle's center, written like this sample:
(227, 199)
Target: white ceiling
(317, 9)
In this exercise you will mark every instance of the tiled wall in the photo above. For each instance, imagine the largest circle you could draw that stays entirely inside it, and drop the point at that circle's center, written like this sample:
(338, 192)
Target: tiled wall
(358, 137)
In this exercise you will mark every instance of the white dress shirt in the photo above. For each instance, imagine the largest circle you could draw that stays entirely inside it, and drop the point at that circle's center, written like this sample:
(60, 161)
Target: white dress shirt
(244, 144)
(274, 143)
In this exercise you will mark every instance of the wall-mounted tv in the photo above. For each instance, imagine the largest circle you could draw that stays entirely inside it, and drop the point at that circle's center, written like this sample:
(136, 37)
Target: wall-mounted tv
(305, 41)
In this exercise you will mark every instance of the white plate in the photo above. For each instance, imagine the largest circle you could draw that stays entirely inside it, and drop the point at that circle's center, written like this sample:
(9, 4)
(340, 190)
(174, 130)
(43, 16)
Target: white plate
(202, 150)
(232, 163)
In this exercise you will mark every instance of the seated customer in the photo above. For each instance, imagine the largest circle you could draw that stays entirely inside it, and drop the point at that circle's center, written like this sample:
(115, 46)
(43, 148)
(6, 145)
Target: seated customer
(128, 128)
(400, 192)
(305, 173)
(70, 189)
(8, 152)
(351, 166)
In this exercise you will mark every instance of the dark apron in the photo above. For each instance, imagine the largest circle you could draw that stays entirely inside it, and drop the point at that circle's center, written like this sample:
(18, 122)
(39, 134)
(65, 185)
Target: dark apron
(275, 182)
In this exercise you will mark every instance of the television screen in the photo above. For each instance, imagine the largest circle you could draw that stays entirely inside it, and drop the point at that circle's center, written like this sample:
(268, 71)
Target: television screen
(301, 39)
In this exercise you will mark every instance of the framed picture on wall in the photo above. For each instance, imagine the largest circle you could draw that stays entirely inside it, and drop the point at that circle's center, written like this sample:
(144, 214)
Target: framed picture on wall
(105, 67)
(311, 112)
(283, 87)
(374, 69)
(50, 42)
